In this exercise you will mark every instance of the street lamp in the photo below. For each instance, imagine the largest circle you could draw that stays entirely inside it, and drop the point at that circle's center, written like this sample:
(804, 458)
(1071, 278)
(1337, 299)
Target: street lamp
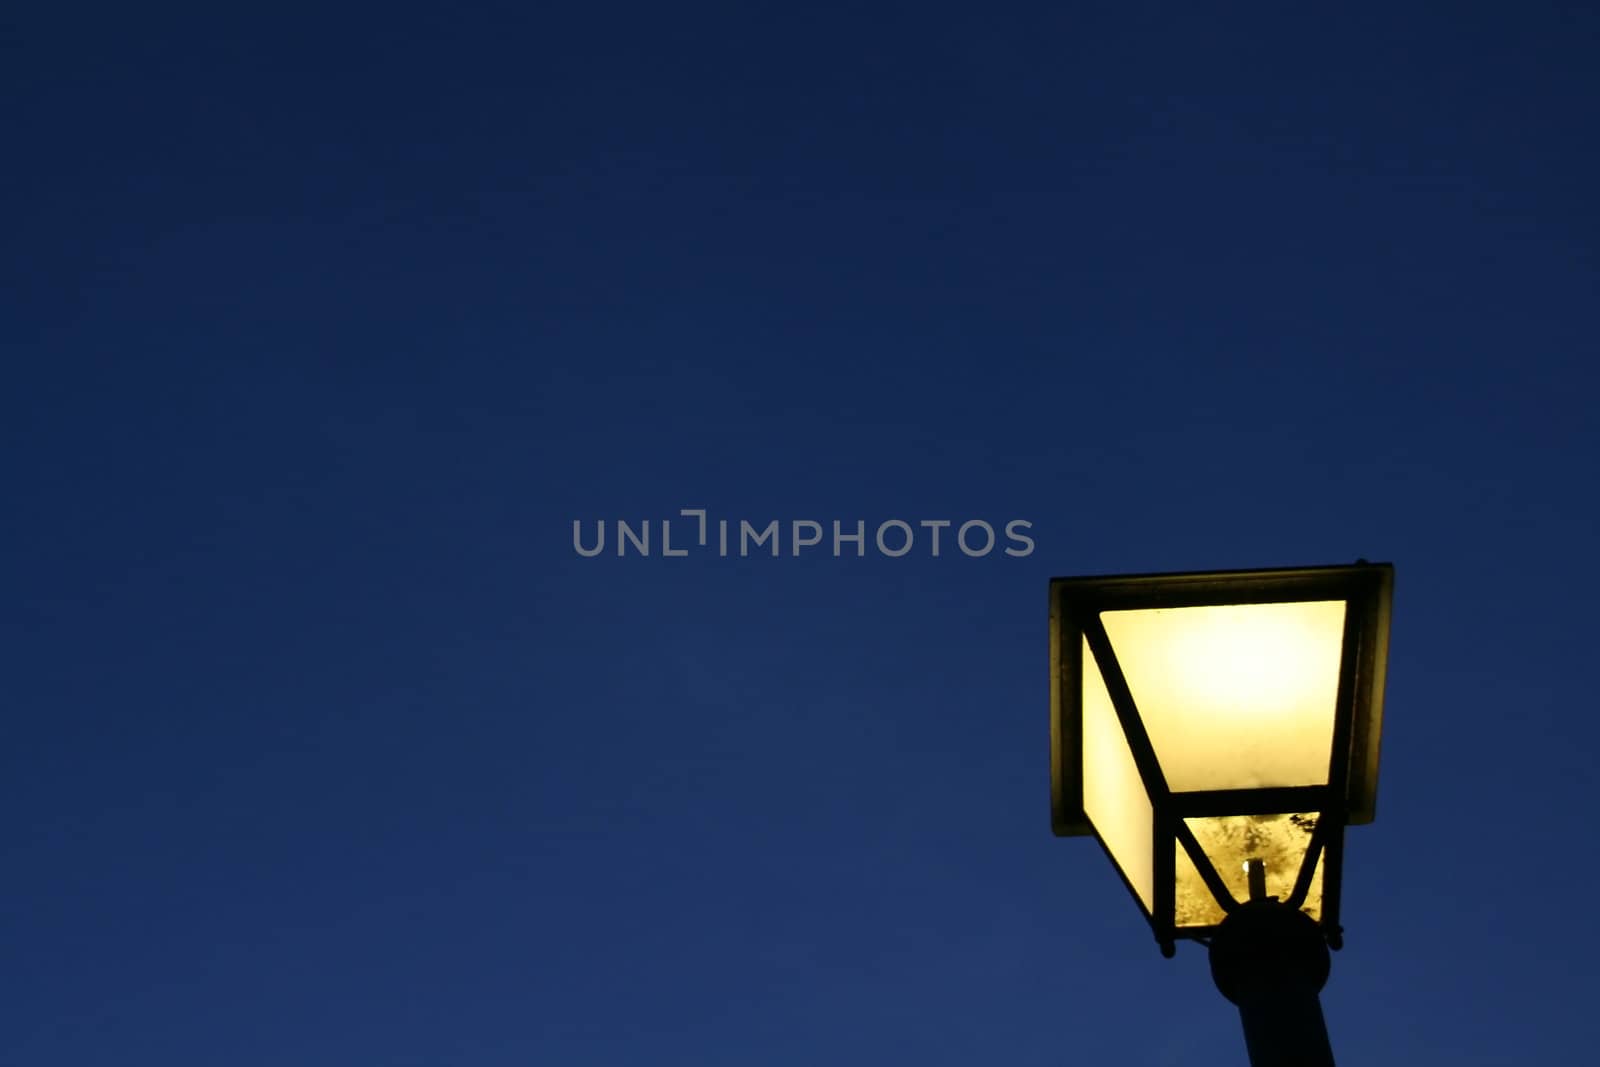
(1216, 732)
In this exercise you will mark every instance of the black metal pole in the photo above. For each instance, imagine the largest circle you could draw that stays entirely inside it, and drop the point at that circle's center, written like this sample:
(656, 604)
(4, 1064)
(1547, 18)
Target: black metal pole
(1272, 960)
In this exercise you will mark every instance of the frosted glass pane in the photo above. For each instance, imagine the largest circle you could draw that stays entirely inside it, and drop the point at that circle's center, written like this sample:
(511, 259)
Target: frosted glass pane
(1279, 841)
(1234, 697)
(1193, 903)
(1313, 903)
(1113, 794)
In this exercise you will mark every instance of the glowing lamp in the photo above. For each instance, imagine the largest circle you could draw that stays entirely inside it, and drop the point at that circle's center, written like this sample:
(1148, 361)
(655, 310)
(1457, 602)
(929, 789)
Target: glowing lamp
(1216, 732)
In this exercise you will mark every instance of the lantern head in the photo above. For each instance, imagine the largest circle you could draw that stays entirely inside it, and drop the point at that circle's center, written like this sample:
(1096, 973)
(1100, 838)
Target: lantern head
(1217, 732)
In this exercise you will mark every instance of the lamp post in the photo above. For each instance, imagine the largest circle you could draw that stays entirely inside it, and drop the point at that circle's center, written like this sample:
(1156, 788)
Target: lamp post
(1216, 732)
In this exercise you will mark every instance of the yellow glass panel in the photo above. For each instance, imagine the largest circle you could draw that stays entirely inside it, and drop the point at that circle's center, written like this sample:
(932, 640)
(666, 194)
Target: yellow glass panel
(1231, 841)
(1114, 797)
(1192, 902)
(1234, 697)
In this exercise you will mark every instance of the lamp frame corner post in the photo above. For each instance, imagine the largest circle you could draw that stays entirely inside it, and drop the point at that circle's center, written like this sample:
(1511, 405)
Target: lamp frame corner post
(1269, 954)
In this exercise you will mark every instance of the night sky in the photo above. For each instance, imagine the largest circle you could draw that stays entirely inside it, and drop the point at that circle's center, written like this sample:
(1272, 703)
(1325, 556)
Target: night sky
(323, 324)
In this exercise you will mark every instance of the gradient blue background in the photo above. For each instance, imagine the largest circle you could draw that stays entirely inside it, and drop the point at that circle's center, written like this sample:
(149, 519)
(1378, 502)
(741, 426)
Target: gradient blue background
(322, 324)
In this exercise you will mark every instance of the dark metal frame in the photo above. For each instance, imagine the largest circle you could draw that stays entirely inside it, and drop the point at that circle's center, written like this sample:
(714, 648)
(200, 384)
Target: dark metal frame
(1351, 792)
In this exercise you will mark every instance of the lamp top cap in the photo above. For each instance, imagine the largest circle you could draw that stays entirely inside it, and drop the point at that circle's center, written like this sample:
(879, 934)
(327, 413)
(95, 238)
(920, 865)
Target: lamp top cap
(1360, 566)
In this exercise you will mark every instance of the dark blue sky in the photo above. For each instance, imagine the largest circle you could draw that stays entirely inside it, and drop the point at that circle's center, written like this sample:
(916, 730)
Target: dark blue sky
(323, 746)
